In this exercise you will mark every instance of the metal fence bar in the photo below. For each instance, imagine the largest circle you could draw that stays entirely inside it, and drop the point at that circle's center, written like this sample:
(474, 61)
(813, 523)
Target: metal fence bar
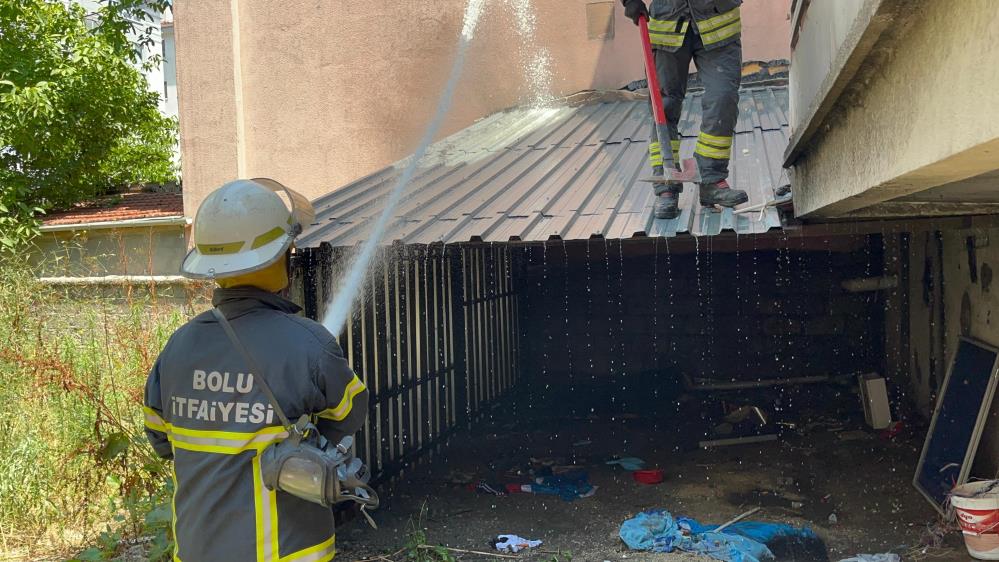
(434, 335)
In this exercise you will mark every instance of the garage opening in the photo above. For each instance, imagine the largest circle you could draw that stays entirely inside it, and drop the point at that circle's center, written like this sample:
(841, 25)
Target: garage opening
(729, 363)
(546, 360)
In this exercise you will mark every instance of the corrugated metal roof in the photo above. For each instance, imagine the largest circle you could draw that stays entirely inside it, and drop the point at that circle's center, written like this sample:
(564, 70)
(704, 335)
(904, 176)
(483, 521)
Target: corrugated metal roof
(572, 173)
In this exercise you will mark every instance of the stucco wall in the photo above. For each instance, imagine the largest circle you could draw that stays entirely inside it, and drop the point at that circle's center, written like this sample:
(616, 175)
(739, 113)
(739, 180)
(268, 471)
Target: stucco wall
(927, 113)
(157, 250)
(823, 29)
(318, 94)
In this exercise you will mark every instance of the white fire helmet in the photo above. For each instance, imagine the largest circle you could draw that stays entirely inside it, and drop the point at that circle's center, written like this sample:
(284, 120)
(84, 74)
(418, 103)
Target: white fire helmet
(245, 226)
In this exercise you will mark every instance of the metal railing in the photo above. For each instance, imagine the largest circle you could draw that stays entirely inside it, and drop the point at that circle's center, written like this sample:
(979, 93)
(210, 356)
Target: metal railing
(434, 335)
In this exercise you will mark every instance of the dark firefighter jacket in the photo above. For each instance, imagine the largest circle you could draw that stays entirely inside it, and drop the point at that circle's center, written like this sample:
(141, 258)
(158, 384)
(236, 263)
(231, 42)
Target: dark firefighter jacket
(206, 411)
(716, 21)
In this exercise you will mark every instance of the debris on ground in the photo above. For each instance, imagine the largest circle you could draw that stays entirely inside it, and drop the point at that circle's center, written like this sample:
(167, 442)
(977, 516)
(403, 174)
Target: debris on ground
(628, 463)
(649, 477)
(487, 488)
(888, 557)
(513, 543)
(569, 487)
(737, 441)
(746, 541)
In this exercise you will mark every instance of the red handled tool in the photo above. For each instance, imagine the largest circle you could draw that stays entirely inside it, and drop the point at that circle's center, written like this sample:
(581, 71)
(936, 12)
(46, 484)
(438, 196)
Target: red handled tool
(689, 173)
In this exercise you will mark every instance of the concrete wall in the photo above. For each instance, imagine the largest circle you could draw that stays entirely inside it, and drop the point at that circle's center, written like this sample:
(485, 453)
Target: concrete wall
(924, 111)
(318, 94)
(157, 250)
(952, 293)
(823, 30)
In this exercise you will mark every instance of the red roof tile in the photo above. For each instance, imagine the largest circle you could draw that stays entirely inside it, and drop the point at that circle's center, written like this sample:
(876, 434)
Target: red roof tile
(129, 206)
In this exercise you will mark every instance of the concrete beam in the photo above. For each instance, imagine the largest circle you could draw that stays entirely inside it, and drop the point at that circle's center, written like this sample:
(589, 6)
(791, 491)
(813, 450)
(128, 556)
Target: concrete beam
(894, 209)
(873, 19)
(924, 112)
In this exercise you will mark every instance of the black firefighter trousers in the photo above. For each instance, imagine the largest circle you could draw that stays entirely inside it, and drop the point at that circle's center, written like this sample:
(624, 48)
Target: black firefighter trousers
(720, 72)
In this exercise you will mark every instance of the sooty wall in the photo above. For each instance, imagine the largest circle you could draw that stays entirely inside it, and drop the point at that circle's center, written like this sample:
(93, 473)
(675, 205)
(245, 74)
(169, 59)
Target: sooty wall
(628, 315)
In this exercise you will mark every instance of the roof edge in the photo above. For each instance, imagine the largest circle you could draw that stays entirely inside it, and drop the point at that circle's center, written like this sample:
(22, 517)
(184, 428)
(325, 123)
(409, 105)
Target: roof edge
(173, 220)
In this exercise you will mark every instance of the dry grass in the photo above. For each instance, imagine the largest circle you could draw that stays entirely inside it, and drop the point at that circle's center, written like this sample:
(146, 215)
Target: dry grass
(75, 468)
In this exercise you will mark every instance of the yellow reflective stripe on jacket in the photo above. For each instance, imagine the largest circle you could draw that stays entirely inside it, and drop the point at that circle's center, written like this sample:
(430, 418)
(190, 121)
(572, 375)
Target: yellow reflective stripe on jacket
(667, 33)
(173, 510)
(264, 516)
(153, 420)
(250, 442)
(712, 37)
(342, 410)
(320, 553)
(222, 442)
(718, 21)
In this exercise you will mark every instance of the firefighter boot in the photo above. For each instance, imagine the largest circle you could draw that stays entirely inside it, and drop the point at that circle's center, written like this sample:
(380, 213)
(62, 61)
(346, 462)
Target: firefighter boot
(667, 194)
(666, 206)
(721, 194)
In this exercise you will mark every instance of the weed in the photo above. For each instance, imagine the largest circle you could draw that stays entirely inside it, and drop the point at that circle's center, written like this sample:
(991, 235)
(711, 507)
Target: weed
(416, 548)
(75, 467)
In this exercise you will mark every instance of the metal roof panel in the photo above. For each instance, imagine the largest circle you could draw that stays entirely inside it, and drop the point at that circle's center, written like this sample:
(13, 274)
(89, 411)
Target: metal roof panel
(573, 173)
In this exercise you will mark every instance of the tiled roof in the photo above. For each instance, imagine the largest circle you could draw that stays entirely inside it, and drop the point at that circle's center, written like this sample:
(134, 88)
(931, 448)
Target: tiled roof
(567, 172)
(127, 206)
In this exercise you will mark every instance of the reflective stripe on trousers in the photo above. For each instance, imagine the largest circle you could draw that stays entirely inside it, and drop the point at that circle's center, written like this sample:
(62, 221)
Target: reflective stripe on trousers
(655, 154)
(712, 146)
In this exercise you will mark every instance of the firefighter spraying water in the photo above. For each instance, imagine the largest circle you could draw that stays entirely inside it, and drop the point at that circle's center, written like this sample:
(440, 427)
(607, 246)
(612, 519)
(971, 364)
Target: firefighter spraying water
(251, 483)
(256, 405)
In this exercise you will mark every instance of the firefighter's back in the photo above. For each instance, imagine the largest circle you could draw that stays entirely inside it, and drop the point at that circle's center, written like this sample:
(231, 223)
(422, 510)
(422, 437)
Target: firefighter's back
(218, 420)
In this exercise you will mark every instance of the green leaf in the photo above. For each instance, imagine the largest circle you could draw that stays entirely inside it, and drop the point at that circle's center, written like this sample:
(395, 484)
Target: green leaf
(84, 124)
(115, 446)
(161, 515)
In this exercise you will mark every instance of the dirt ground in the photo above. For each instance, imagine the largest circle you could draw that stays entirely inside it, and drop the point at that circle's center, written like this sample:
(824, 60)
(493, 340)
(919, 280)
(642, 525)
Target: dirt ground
(801, 479)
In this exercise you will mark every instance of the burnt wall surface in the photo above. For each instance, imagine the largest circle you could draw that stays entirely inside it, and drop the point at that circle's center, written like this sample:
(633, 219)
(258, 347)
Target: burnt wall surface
(950, 292)
(627, 314)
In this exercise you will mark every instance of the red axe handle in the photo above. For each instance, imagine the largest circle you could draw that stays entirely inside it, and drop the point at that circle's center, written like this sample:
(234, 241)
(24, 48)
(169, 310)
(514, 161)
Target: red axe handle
(650, 73)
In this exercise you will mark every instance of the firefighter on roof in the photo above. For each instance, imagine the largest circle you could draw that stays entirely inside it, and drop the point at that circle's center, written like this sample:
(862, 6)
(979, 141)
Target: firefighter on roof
(709, 33)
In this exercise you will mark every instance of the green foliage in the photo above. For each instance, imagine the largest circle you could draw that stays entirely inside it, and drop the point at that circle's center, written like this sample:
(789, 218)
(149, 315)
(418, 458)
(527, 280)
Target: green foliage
(416, 548)
(75, 467)
(76, 117)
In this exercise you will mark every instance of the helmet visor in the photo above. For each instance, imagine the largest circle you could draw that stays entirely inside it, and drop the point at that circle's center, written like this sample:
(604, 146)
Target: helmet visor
(302, 211)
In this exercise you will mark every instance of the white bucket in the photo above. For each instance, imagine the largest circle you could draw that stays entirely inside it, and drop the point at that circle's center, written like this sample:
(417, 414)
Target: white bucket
(979, 518)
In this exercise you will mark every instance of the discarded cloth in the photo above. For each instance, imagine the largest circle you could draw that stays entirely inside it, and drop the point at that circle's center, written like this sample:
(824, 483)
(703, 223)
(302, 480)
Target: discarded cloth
(658, 531)
(569, 486)
(629, 463)
(513, 543)
(887, 557)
